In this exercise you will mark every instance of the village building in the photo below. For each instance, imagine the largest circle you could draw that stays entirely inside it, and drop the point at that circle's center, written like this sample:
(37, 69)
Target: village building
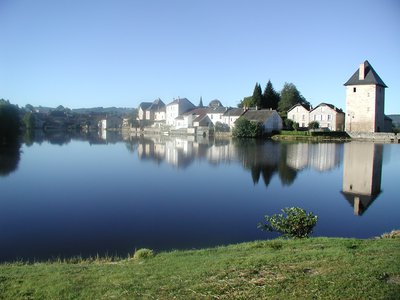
(152, 111)
(365, 101)
(143, 106)
(270, 119)
(231, 115)
(328, 117)
(175, 109)
(300, 114)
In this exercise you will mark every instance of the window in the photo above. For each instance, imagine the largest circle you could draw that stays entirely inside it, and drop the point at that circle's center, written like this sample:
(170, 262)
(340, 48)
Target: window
(354, 90)
(293, 117)
(303, 117)
(329, 117)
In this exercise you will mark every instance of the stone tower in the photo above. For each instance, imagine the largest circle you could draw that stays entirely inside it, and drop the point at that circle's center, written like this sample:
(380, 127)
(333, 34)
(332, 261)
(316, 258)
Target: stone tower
(365, 101)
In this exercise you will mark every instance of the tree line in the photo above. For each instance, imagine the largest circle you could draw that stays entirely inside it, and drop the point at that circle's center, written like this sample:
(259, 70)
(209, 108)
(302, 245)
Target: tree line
(271, 99)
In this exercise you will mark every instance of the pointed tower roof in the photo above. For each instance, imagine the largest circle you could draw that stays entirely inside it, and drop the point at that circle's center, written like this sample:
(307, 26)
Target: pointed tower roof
(370, 76)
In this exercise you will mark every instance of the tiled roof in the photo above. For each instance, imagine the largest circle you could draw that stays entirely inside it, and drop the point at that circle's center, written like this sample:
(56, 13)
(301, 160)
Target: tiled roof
(145, 105)
(234, 112)
(157, 105)
(180, 100)
(258, 115)
(371, 77)
(329, 105)
(299, 104)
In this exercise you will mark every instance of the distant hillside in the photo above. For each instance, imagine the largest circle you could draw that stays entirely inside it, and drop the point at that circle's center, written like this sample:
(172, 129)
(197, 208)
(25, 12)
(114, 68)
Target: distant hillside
(95, 110)
(396, 120)
(104, 110)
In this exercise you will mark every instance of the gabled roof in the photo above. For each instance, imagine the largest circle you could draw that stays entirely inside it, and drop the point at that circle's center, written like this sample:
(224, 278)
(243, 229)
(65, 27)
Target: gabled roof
(259, 115)
(371, 77)
(306, 107)
(200, 118)
(234, 112)
(338, 110)
(157, 105)
(216, 110)
(180, 101)
(196, 111)
(145, 105)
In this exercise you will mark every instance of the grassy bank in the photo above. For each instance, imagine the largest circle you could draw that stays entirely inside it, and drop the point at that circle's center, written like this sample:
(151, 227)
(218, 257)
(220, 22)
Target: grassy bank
(325, 268)
(312, 136)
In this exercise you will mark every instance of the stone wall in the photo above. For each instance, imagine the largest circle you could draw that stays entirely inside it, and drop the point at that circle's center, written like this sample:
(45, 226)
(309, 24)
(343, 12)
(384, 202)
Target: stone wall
(375, 136)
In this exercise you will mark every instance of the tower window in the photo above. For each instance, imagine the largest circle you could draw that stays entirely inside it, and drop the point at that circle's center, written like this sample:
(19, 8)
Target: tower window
(354, 89)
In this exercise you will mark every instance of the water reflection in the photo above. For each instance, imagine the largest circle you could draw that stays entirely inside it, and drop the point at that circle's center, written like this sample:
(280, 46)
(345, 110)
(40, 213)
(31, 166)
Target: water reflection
(362, 174)
(10, 155)
(262, 159)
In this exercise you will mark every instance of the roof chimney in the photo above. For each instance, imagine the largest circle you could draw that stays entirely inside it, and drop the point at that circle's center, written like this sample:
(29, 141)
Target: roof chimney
(361, 72)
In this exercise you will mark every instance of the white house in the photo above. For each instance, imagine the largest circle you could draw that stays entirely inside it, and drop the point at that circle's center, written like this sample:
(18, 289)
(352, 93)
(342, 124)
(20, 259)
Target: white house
(299, 114)
(152, 111)
(328, 116)
(231, 115)
(175, 109)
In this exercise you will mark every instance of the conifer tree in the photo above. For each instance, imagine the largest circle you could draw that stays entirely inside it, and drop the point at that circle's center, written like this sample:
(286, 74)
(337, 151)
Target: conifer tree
(257, 96)
(270, 97)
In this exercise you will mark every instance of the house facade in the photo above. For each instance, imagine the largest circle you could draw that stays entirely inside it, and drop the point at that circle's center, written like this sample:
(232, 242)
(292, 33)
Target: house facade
(299, 114)
(175, 109)
(365, 101)
(231, 115)
(152, 111)
(328, 117)
(270, 119)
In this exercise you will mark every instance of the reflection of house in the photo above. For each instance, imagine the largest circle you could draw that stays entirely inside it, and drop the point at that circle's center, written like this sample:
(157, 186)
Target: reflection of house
(328, 116)
(297, 155)
(175, 109)
(362, 172)
(365, 101)
(324, 156)
(299, 114)
(270, 119)
(321, 157)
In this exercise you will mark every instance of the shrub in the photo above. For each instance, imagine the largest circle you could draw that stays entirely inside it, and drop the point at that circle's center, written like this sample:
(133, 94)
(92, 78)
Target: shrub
(246, 128)
(394, 234)
(295, 222)
(221, 127)
(313, 125)
(143, 253)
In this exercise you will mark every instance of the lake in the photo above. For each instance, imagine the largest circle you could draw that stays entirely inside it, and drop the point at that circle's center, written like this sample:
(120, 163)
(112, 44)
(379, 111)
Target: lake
(87, 194)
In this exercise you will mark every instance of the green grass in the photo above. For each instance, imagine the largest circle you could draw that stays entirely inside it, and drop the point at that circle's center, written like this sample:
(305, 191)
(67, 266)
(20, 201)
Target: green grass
(316, 268)
(312, 136)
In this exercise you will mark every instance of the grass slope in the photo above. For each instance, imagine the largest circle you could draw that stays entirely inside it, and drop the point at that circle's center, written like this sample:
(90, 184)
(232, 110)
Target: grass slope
(322, 268)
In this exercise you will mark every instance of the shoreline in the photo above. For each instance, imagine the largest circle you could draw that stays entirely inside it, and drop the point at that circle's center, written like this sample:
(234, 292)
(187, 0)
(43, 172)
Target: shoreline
(317, 267)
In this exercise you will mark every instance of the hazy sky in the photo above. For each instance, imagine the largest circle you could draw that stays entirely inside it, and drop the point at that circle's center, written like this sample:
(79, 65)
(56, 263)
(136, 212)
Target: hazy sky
(85, 53)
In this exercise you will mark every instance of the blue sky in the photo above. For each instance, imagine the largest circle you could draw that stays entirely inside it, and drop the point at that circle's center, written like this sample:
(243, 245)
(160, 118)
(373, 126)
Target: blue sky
(119, 53)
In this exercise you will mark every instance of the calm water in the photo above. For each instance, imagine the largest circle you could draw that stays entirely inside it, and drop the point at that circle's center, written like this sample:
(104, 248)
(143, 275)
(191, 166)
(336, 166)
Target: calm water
(65, 196)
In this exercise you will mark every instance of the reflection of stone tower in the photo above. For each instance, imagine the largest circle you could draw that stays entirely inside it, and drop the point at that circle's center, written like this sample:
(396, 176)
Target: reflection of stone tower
(362, 172)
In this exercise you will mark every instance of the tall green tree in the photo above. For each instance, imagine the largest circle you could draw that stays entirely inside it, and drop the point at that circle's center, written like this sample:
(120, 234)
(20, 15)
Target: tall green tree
(270, 97)
(257, 97)
(246, 102)
(9, 122)
(289, 97)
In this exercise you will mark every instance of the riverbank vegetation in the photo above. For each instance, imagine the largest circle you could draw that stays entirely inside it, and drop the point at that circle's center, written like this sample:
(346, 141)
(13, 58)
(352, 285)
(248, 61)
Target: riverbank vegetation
(311, 135)
(314, 268)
